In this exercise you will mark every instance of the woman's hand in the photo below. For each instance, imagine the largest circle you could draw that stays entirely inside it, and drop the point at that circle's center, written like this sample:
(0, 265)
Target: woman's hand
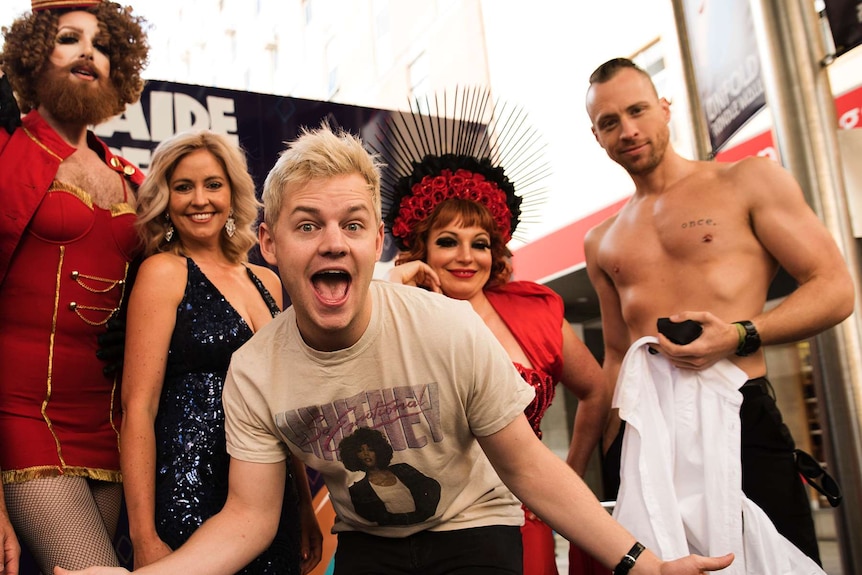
(150, 551)
(312, 539)
(416, 273)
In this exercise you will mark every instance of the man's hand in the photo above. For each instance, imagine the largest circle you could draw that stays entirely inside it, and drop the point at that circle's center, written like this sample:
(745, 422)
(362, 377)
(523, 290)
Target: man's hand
(718, 341)
(695, 565)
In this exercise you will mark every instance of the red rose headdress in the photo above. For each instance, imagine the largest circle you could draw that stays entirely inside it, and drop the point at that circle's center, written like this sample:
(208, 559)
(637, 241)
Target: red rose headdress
(459, 152)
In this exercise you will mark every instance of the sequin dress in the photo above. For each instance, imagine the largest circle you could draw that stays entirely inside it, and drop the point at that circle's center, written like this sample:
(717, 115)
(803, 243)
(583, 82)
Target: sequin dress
(534, 314)
(191, 459)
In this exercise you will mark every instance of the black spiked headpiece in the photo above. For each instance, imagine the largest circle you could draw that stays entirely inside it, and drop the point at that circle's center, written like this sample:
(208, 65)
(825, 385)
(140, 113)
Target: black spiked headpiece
(456, 146)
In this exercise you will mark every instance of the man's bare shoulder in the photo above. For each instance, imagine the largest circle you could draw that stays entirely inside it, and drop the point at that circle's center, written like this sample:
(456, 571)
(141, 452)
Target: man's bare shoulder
(595, 233)
(758, 180)
(744, 170)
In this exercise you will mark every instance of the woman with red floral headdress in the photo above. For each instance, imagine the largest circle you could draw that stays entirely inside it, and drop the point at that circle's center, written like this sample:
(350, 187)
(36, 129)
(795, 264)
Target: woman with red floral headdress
(452, 216)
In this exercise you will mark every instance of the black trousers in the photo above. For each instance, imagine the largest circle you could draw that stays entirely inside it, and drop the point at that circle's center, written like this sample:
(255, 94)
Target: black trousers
(494, 550)
(769, 474)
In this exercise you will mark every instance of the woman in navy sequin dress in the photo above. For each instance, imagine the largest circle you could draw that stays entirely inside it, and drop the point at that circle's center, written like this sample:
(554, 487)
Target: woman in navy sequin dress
(196, 299)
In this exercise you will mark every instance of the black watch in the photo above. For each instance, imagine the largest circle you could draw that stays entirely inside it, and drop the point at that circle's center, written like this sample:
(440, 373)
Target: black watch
(628, 561)
(751, 342)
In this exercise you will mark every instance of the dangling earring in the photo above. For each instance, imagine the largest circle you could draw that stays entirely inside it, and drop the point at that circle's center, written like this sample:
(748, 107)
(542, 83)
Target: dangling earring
(169, 234)
(230, 225)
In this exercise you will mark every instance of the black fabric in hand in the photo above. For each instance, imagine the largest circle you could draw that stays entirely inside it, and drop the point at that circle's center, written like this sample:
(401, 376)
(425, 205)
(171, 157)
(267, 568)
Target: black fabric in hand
(112, 346)
(10, 115)
(680, 333)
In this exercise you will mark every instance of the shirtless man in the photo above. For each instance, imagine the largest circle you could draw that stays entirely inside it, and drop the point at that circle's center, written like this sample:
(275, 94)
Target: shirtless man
(702, 241)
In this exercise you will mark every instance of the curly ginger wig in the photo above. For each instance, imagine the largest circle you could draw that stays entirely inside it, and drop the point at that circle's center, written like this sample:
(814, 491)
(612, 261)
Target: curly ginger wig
(31, 38)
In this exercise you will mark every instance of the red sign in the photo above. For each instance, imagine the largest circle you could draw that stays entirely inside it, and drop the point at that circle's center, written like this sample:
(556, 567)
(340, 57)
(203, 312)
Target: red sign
(848, 107)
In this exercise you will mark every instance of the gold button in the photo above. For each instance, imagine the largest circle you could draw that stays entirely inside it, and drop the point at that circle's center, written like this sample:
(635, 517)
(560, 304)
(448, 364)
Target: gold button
(74, 275)
(115, 162)
(129, 170)
(73, 306)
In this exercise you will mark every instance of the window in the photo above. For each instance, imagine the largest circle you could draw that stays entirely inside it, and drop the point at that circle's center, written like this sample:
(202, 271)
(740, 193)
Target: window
(332, 53)
(420, 80)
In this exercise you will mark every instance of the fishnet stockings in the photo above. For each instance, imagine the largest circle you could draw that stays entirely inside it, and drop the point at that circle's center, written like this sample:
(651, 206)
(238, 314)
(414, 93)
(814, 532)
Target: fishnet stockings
(66, 521)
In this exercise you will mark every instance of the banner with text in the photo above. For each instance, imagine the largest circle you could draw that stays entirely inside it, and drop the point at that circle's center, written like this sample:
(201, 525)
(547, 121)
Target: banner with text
(848, 108)
(260, 123)
(726, 64)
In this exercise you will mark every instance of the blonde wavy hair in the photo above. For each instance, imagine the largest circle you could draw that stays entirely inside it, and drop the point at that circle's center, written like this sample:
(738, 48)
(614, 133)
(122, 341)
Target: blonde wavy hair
(319, 154)
(154, 194)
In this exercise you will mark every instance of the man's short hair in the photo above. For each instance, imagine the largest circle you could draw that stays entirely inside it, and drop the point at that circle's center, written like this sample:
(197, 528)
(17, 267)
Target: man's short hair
(319, 154)
(612, 67)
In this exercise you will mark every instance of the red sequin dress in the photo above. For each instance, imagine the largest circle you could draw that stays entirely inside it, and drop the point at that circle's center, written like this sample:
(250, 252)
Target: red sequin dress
(59, 413)
(534, 315)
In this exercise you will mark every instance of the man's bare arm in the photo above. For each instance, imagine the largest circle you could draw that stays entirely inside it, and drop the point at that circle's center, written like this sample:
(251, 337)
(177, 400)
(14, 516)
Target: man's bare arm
(555, 493)
(229, 540)
(794, 235)
(615, 332)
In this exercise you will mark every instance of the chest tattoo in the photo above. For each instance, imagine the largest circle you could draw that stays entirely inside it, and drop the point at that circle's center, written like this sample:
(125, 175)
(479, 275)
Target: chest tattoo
(699, 223)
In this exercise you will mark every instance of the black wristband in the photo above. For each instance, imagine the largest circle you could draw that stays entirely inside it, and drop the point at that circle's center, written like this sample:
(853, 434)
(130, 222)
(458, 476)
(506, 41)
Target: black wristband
(628, 561)
(750, 341)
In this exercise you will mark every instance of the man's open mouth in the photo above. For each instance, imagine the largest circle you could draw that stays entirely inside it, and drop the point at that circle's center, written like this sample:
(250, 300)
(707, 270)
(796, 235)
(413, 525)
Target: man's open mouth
(331, 286)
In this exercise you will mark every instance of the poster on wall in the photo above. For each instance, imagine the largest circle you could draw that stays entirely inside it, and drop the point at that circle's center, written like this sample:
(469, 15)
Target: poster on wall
(726, 64)
(845, 20)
